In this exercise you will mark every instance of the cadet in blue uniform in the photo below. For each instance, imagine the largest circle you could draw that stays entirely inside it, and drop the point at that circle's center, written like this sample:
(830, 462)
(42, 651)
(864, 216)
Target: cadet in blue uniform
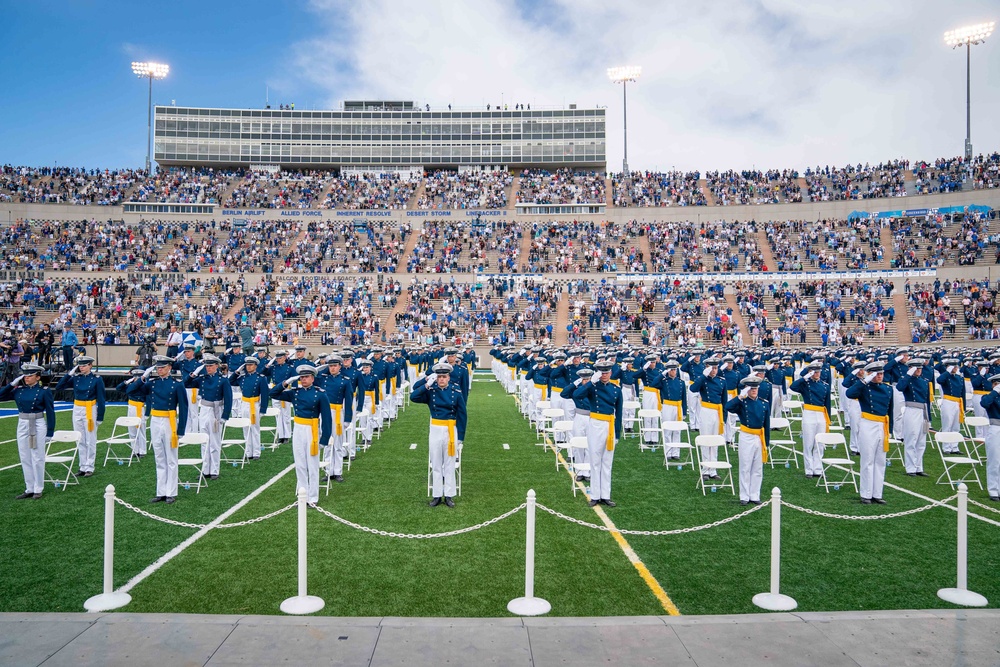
(254, 395)
(815, 416)
(340, 393)
(168, 418)
(876, 402)
(277, 371)
(36, 423)
(187, 363)
(313, 425)
(712, 390)
(980, 385)
(915, 391)
(953, 401)
(447, 429)
(214, 407)
(673, 399)
(652, 379)
(88, 409)
(754, 438)
(693, 368)
(132, 388)
(991, 405)
(581, 418)
(559, 379)
(604, 429)
(368, 390)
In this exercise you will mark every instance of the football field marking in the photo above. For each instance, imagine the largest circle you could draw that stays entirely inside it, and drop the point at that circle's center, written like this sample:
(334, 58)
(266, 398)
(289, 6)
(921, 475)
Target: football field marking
(176, 551)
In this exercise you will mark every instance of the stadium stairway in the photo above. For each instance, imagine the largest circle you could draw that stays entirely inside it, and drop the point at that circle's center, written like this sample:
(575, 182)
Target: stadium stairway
(514, 189)
(903, 323)
(609, 193)
(389, 325)
(644, 248)
(886, 241)
(765, 250)
(738, 316)
(526, 239)
(417, 194)
(559, 334)
(707, 191)
(411, 243)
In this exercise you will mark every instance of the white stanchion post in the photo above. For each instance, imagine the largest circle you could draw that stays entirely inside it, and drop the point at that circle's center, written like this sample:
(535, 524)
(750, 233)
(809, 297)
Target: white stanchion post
(961, 595)
(774, 600)
(529, 605)
(303, 603)
(109, 599)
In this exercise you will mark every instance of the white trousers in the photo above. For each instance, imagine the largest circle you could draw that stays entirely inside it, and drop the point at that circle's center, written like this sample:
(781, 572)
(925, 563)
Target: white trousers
(694, 410)
(138, 433)
(88, 442)
(993, 460)
(813, 423)
(669, 413)
(979, 411)
(160, 437)
(709, 426)
(854, 414)
(872, 458)
(751, 466)
(251, 434)
(914, 439)
(898, 402)
(949, 422)
(210, 423)
(649, 430)
(776, 400)
(192, 420)
(32, 458)
(601, 459)
(442, 465)
(580, 424)
(558, 402)
(731, 420)
(284, 420)
(306, 463)
(367, 423)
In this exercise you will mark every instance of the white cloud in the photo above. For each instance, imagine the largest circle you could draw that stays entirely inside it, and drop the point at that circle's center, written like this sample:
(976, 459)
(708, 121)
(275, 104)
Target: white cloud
(727, 84)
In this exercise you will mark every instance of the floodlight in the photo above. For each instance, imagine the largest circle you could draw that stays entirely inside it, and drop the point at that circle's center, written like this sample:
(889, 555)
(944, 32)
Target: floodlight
(150, 71)
(625, 73)
(969, 35)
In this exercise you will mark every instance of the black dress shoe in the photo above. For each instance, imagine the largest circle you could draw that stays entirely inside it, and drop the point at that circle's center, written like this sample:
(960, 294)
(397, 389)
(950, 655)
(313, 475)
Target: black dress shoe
(755, 502)
(911, 474)
(995, 499)
(338, 478)
(434, 502)
(675, 458)
(158, 499)
(78, 473)
(744, 502)
(878, 501)
(866, 501)
(170, 500)
(593, 502)
(921, 473)
(716, 477)
(89, 473)
(37, 496)
(587, 480)
(579, 478)
(25, 495)
(607, 502)
(449, 502)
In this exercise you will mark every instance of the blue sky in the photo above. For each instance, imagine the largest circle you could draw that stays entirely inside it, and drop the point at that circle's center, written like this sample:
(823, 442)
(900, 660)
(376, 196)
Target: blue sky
(768, 83)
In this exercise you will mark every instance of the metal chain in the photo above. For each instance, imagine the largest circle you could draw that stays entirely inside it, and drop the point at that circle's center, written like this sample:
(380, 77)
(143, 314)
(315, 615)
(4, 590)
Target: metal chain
(985, 507)
(198, 526)
(870, 517)
(656, 533)
(419, 536)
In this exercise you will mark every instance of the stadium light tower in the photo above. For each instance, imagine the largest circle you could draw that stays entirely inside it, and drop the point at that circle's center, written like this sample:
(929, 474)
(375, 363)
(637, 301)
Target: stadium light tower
(623, 75)
(968, 37)
(150, 71)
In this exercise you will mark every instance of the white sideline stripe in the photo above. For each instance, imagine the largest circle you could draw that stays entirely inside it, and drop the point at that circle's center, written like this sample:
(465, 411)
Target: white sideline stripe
(18, 465)
(413, 446)
(167, 557)
(506, 445)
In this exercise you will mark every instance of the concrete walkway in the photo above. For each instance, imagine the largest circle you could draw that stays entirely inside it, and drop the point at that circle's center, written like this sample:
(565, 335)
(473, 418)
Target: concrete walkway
(892, 638)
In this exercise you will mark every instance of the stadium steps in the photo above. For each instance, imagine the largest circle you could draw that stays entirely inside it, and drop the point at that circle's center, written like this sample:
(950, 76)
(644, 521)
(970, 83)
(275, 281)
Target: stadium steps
(525, 247)
(737, 316)
(609, 188)
(910, 182)
(559, 334)
(765, 249)
(389, 324)
(411, 243)
(645, 249)
(903, 322)
(514, 189)
(707, 191)
(417, 194)
(887, 255)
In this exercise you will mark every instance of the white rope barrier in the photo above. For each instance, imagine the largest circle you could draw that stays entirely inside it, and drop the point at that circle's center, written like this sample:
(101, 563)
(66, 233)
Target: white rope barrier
(419, 536)
(961, 595)
(871, 517)
(654, 533)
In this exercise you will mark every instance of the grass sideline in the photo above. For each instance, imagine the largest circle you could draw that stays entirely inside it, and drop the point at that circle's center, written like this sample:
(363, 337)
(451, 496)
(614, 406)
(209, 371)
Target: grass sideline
(827, 564)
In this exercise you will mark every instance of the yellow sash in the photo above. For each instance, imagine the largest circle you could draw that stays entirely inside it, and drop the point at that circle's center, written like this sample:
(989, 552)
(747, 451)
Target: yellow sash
(718, 408)
(616, 383)
(338, 410)
(930, 388)
(759, 432)
(139, 406)
(610, 419)
(544, 388)
(678, 405)
(450, 425)
(659, 403)
(961, 406)
(393, 385)
(90, 412)
(371, 395)
(172, 416)
(885, 427)
(819, 408)
(194, 396)
(314, 422)
(252, 400)
(978, 392)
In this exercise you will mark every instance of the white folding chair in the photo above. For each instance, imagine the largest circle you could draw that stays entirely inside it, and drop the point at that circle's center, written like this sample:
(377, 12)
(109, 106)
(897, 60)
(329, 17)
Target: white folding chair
(565, 428)
(722, 468)
(793, 411)
(271, 431)
(684, 444)
(629, 410)
(971, 426)
(655, 429)
(65, 458)
(843, 468)
(237, 423)
(195, 462)
(359, 441)
(782, 449)
(120, 438)
(953, 461)
(545, 424)
(836, 420)
(896, 453)
(537, 417)
(577, 443)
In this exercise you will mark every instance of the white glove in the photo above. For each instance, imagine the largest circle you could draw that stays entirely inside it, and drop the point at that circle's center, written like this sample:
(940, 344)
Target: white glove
(899, 358)
(270, 363)
(744, 392)
(912, 371)
(179, 357)
(17, 380)
(289, 381)
(868, 378)
(229, 350)
(647, 365)
(997, 389)
(856, 371)
(240, 369)
(432, 378)
(290, 351)
(459, 444)
(198, 370)
(707, 371)
(768, 366)
(982, 371)
(99, 424)
(577, 382)
(72, 371)
(147, 373)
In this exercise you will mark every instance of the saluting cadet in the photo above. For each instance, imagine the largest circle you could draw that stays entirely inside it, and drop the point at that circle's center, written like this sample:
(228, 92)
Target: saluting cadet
(916, 417)
(652, 378)
(350, 371)
(187, 363)
(340, 393)
(851, 405)
(755, 437)
(875, 399)
(775, 375)
(168, 418)
(815, 416)
(673, 397)
(394, 380)
(300, 358)
(581, 416)
(313, 425)
(447, 429)
(991, 404)
(538, 377)
(214, 407)
(732, 379)
(368, 391)
(603, 431)
(255, 397)
(36, 424)
(559, 379)
(277, 371)
(629, 380)
(132, 388)
(712, 390)
(980, 385)
(693, 368)
(88, 409)
(953, 406)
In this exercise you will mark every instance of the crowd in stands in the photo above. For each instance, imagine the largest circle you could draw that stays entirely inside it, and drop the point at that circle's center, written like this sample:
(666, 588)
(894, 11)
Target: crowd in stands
(857, 182)
(709, 246)
(934, 241)
(67, 185)
(183, 186)
(284, 189)
(370, 191)
(754, 187)
(471, 189)
(934, 309)
(654, 189)
(564, 186)
(798, 245)
(354, 246)
(584, 247)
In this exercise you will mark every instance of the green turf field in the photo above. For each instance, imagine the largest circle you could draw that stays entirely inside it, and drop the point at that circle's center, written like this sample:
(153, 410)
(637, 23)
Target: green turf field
(52, 548)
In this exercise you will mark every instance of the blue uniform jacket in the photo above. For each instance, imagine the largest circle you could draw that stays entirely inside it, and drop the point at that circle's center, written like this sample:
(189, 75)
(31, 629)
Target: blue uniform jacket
(167, 394)
(33, 399)
(213, 388)
(605, 399)
(753, 414)
(447, 403)
(308, 404)
(87, 387)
